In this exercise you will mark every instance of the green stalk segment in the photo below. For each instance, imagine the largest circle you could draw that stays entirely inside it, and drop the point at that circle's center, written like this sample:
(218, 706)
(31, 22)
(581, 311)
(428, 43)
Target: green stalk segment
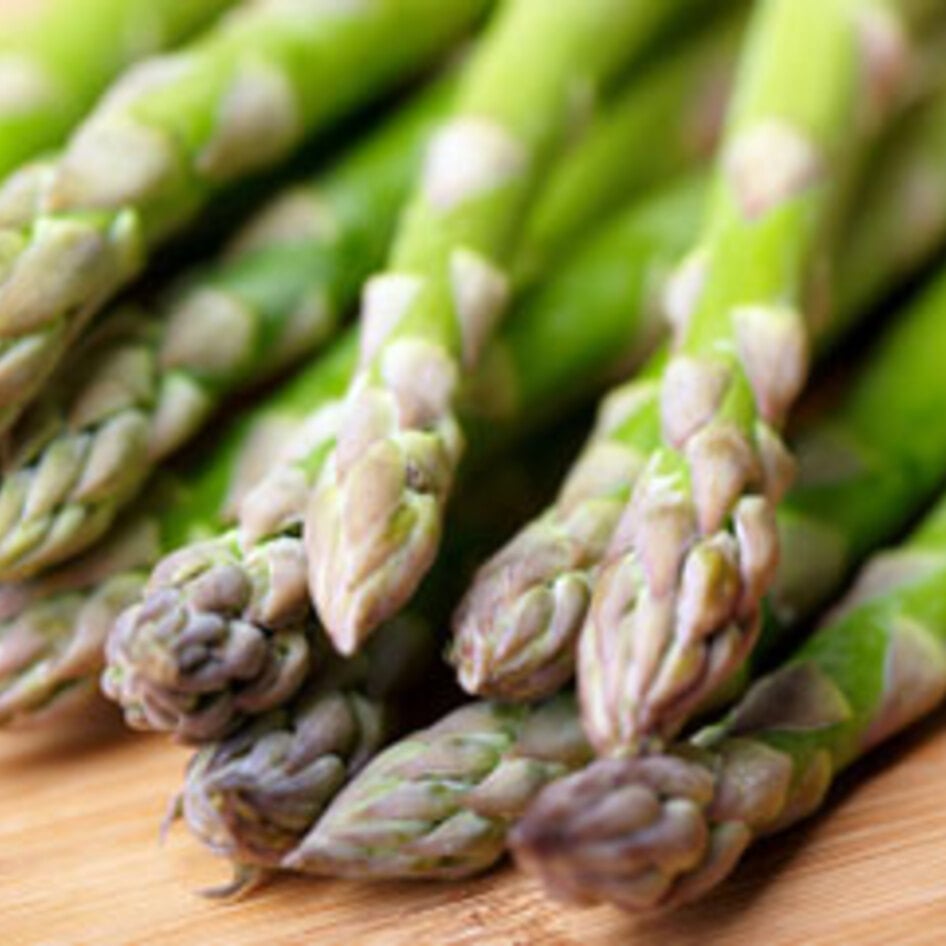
(57, 56)
(374, 525)
(663, 830)
(176, 130)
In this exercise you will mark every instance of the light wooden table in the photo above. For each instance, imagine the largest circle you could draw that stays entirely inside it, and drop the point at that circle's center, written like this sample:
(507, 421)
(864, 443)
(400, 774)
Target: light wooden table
(80, 865)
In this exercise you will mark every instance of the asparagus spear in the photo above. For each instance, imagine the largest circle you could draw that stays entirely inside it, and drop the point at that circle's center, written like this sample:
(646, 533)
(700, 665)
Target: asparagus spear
(517, 627)
(53, 628)
(174, 131)
(56, 56)
(677, 606)
(150, 377)
(663, 830)
(442, 797)
(51, 652)
(246, 797)
(863, 476)
(375, 522)
(254, 569)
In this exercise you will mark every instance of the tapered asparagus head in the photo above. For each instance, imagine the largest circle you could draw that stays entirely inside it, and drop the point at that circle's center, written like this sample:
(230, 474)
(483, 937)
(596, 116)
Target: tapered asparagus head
(200, 651)
(676, 609)
(54, 273)
(439, 803)
(516, 630)
(253, 796)
(374, 525)
(654, 831)
(52, 649)
(668, 627)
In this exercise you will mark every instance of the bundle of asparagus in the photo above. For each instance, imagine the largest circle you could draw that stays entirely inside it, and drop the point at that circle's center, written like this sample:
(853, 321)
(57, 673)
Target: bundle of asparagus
(517, 627)
(511, 381)
(282, 289)
(665, 829)
(856, 451)
(176, 129)
(559, 197)
(810, 514)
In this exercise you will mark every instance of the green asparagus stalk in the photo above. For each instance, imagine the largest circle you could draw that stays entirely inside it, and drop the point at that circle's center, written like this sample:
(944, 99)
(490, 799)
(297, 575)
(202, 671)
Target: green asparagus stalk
(677, 106)
(148, 380)
(375, 522)
(444, 795)
(663, 830)
(676, 608)
(863, 476)
(517, 627)
(512, 388)
(176, 130)
(57, 56)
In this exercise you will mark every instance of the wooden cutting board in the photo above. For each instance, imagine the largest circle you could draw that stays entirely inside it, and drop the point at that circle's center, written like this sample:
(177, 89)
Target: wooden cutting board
(80, 865)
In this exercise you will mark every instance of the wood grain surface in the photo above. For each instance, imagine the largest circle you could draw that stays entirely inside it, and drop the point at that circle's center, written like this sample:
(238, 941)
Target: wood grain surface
(80, 865)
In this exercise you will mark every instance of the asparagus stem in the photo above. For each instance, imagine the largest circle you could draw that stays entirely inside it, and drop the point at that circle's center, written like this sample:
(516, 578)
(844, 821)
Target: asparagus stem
(677, 106)
(176, 130)
(663, 830)
(148, 380)
(56, 56)
(374, 525)
(517, 627)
